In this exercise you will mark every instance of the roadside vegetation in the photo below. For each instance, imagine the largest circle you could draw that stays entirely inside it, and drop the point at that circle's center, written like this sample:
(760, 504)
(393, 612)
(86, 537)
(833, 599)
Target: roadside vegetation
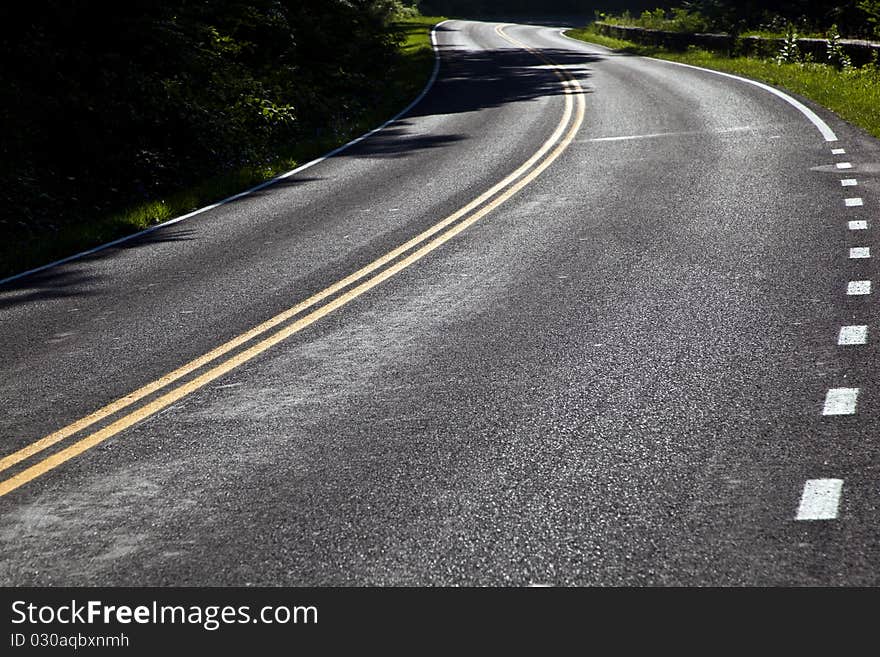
(117, 119)
(509, 8)
(769, 18)
(832, 81)
(677, 19)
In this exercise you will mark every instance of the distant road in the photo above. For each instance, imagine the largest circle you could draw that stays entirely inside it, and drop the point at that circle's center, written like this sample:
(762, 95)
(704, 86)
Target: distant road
(578, 319)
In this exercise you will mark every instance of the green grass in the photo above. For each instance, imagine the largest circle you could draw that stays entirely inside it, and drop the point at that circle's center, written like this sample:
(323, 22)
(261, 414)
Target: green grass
(402, 86)
(675, 20)
(854, 95)
(592, 36)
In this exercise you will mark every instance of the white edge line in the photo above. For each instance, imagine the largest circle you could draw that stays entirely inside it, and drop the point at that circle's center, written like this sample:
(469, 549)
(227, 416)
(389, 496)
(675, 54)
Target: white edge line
(823, 127)
(256, 188)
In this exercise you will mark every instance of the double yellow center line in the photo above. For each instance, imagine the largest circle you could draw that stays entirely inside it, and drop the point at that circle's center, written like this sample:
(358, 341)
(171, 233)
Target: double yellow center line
(366, 279)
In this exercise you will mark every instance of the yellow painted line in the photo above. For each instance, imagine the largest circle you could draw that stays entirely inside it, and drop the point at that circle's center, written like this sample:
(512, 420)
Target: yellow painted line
(248, 354)
(190, 367)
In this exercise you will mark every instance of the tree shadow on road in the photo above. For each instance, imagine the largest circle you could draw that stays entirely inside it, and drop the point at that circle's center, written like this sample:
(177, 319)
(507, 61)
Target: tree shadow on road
(476, 81)
(469, 81)
(71, 280)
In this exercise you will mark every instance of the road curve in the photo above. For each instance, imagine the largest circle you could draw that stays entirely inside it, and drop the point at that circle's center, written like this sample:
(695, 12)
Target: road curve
(621, 367)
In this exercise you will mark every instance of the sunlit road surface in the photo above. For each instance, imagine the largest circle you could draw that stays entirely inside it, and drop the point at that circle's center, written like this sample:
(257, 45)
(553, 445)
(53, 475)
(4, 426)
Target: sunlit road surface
(577, 318)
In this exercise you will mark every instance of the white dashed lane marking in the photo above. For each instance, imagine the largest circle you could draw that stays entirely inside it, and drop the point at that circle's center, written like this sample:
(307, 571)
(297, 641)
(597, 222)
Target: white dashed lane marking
(853, 334)
(840, 401)
(820, 499)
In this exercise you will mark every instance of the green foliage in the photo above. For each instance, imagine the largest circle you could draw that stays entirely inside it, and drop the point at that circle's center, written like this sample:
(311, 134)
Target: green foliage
(853, 18)
(260, 115)
(106, 106)
(591, 34)
(677, 19)
(790, 51)
(689, 21)
(836, 55)
(871, 10)
(478, 8)
(654, 19)
(405, 10)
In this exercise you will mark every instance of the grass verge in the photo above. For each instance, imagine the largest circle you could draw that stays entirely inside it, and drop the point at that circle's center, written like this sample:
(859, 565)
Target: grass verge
(854, 94)
(402, 85)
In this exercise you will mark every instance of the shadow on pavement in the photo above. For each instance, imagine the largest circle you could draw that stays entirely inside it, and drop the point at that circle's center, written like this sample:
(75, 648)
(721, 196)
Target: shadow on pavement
(474, 81)
(66, 281)
(469, 81)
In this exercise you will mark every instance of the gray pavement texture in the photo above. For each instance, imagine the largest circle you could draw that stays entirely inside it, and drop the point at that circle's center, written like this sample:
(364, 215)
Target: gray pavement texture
(614, 378)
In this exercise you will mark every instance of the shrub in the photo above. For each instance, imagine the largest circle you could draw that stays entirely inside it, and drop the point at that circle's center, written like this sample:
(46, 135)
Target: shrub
(789, 52)
(871, 9)
(836, 55)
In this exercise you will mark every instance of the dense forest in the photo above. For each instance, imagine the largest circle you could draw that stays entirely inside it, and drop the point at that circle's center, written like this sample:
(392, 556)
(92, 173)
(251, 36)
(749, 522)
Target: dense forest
(107, 104)
(574, 8)
(853, 17)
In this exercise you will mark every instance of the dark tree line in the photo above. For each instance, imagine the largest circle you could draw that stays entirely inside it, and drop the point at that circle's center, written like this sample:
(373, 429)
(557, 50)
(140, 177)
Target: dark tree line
(106, 104)
(103, 104)
(585, 8)
(853, 17)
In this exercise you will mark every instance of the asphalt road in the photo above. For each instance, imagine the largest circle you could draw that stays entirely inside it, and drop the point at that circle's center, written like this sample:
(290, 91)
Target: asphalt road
(617, 374)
